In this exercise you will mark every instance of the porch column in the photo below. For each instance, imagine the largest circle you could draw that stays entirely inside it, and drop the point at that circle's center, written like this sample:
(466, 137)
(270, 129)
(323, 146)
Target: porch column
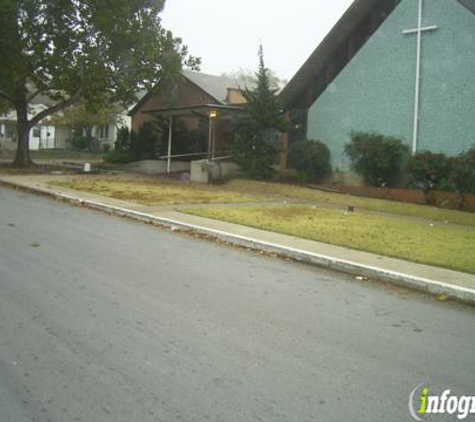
(169, 158)
(210, 134)
(212, 117)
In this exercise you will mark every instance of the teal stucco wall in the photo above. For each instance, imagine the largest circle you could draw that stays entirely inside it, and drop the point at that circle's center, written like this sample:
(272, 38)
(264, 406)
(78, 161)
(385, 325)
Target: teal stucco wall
(375, 91)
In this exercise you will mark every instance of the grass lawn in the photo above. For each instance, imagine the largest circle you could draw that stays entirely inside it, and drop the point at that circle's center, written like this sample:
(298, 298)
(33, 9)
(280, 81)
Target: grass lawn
(156, 192)
(301, 193)
(440, 245)
(379, 226)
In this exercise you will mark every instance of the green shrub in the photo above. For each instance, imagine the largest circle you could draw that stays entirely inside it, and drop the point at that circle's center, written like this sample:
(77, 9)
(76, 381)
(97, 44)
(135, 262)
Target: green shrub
(429, 170)
(120, 157)
(106, 147)
(122, 142)
(311, 159)
(147, 142)
(144, 144)
(181, 138)
(463, 172)
(80, 143)
(377, 158)
(256, 154)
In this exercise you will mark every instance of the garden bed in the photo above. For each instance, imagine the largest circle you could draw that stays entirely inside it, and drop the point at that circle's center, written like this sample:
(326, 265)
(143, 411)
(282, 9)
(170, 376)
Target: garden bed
(450, 200)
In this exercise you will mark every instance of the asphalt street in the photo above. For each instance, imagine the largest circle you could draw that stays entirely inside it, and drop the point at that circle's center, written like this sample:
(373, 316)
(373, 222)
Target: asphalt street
(105, 319)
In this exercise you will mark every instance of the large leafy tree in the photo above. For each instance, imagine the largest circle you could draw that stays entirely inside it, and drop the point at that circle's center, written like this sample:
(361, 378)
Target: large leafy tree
(71, 50)
(257, 141)
(3, 105)
(81, 116)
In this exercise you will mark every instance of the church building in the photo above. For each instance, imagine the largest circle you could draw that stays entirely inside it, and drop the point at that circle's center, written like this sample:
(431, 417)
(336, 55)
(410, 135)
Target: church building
(402, 68)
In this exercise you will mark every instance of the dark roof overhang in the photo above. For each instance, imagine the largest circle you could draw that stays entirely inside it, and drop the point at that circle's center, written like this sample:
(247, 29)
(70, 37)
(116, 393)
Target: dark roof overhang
(361, 12)
(193, 111)
(469, 4)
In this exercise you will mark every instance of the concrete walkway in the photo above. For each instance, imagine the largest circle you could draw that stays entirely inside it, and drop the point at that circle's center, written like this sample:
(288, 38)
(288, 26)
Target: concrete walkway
(434, 280)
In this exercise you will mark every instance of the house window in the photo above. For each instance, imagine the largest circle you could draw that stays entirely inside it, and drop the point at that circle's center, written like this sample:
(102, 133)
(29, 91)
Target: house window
(36, 132)
(104, 132)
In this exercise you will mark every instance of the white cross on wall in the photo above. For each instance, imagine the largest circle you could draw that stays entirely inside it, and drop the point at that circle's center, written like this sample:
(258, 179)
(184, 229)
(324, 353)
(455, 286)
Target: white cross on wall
(419, 31)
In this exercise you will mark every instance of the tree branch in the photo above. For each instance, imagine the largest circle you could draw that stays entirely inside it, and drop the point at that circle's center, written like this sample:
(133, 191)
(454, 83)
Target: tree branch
(53, 109)
(34, 95)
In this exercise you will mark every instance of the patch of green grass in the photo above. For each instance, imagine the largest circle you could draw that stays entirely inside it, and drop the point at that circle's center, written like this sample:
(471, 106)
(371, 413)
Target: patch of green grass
(418, 241)
(148, 192)
(301, 193)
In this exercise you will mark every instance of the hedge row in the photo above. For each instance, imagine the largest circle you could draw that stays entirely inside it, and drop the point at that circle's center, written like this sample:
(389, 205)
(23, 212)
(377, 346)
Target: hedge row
(384, 161)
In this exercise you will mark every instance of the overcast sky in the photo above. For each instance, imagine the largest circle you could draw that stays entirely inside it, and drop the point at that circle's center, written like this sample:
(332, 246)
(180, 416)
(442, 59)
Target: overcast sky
(226, 33)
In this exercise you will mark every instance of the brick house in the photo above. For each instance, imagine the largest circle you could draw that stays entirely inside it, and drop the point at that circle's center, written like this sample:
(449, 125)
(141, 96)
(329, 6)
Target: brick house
(206, 104)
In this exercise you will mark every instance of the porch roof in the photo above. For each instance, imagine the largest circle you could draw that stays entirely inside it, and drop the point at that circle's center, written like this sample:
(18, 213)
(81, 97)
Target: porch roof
(202, 110)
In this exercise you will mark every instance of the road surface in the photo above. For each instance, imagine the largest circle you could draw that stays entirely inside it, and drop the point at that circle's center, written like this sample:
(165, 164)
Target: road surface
(104, 319)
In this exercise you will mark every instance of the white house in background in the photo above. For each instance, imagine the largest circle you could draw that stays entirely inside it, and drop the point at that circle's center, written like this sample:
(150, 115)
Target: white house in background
(42, 136)
(107, 134)
(48, 136)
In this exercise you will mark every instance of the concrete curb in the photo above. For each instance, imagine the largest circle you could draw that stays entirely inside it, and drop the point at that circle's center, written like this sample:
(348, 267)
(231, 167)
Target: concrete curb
(432, 287)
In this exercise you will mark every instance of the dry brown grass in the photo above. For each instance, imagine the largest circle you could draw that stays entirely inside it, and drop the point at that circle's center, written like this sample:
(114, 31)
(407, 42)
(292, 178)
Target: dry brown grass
(300, 193)
(156, 192)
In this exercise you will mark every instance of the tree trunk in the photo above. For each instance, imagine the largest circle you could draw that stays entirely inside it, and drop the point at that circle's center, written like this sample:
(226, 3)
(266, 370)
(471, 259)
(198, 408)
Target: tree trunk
(22, 157)
(88, 132)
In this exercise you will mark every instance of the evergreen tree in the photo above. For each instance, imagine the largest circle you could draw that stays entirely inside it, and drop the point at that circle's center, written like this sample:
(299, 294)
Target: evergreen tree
(247, 78)
(256, 144)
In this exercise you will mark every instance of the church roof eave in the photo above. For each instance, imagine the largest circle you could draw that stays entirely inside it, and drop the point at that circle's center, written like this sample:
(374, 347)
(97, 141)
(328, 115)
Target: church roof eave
(340, 33)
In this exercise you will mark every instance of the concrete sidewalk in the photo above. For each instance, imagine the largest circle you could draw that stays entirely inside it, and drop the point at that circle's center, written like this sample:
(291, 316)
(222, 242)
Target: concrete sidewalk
(453, 284)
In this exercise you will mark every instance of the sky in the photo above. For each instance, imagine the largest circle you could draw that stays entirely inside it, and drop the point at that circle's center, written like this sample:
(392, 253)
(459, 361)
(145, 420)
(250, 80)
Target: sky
(226, 33)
